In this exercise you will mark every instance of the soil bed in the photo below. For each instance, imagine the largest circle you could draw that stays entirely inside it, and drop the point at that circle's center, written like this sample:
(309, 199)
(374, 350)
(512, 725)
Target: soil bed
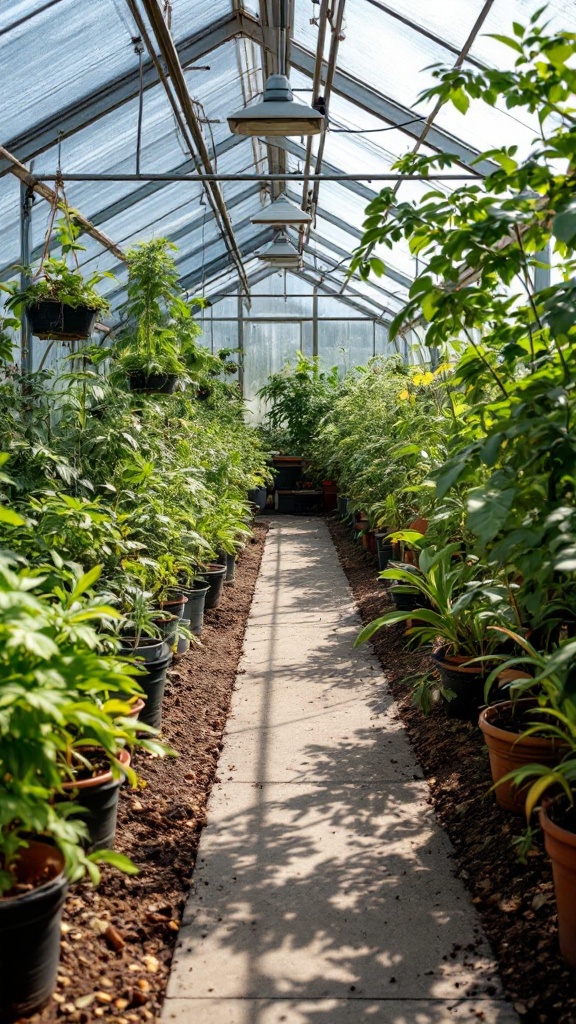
(515, 900)
(118, 940)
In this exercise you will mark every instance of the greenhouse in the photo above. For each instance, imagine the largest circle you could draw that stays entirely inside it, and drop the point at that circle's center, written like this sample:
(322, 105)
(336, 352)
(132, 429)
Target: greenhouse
(288, 511)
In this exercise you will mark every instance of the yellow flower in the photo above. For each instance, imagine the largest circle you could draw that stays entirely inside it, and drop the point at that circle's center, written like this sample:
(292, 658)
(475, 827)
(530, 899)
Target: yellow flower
(404, 395)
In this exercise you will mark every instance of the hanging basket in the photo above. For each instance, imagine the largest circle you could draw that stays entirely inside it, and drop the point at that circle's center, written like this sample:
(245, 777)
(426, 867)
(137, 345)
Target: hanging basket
(51, 319)
(160, 383)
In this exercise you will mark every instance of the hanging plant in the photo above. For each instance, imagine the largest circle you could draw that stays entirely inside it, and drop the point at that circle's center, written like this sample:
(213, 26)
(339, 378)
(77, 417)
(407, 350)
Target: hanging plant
(60, 302)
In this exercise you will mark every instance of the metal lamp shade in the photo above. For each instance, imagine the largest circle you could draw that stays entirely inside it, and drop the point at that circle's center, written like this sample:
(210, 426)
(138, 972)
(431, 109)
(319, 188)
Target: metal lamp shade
(282, 211)
(277, 113)
(281, 253)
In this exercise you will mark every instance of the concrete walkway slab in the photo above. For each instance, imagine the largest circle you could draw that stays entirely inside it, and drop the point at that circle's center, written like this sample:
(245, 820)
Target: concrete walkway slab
(323, 891)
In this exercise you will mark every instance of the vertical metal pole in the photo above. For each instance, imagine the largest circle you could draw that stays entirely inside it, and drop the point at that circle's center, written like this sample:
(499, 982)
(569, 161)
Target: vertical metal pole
(26, 201)
(315, 322)
(240, 317)
(542, 274)
(373, 338)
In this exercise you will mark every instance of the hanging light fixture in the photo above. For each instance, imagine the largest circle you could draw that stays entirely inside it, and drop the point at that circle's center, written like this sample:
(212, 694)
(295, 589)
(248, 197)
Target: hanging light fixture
(282, 211)
(281, 253)
(277, 113)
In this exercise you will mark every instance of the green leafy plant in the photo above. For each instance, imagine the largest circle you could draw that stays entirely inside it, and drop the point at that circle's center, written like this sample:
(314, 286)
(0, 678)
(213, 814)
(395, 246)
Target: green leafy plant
(55, 703)
(56, 280)
(482, 248)
(297, 399)
(459, 603)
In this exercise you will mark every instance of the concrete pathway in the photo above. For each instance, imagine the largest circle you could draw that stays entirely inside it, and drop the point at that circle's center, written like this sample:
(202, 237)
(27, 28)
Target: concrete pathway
(323, 890)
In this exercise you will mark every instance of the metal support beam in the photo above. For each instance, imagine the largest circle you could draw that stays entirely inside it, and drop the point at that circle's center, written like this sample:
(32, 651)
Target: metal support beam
(292, 176)
(191, 280)
(315, 322)
(240, 317)
(19, 171)
(26, 202)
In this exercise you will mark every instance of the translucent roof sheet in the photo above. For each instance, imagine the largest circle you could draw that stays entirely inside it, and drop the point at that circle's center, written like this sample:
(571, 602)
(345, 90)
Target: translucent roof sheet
(89, 92)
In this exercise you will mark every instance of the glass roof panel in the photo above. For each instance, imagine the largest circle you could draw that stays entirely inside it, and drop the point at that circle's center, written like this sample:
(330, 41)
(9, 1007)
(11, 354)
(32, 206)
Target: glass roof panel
(451, 20)
(35, 88)
(559, 14)
(378, 49)
(191, 16)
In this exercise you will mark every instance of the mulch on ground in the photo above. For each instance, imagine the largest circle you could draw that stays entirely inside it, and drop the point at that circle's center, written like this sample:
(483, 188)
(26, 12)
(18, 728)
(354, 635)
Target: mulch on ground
(118, 940)
(515, 899)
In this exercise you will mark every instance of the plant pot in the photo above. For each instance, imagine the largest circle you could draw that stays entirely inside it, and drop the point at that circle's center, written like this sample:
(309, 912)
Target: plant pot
(174, 603)
(465, 681)
(183, 644)
(230, 569)
(561, 848)
(258, 496)
(405, 602)
(153, 683)
(508, 750)
(383, 550)
(30, 934)
(137, 708)
(342, 504)
(146, 649)
(99, 799)
(330, 495)
(194, 607)
(213, 575)
(168, 626)
(51, 319)
(160, 383)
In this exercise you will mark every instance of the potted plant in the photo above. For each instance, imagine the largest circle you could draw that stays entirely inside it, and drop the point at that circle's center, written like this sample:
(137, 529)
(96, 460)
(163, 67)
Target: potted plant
(60, 302)
(51, 674)
(513, 728)
(457, 608)
(148, 348)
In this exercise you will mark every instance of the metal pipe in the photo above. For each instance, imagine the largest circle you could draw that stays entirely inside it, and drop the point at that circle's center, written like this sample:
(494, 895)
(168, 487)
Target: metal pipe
(76, 176)
(332, 61)
(26, 200)
(170, 55)
(322, 19)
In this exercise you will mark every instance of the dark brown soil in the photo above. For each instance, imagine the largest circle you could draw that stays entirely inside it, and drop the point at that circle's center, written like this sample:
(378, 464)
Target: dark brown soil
(515, 899)
(118, 940)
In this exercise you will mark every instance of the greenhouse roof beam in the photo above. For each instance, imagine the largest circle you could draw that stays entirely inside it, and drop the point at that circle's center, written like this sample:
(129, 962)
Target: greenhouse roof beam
(309, 274)
(19, 171)
(177, 91)
(85, 110)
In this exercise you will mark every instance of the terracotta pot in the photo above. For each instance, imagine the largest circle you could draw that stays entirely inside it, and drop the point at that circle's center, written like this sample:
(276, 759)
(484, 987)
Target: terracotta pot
(561, 848)
(507, 751)
(419, 525)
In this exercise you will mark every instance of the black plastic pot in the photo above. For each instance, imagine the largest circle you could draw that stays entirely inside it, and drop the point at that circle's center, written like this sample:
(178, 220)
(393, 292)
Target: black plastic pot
(258, 496)
(174, 603)
(467, 685)
(384, 551)
(153, 683)
(194, 607)
(30, 935)
(214, 577)
(167, 624)
(51, 319)
(406, 602)
(342, 506)
(160, 383)
(99, 801)
(147, 649)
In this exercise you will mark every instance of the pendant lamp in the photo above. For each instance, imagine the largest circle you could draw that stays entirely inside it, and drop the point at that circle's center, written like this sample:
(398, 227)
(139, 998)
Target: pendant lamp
(281, 253)
(277, 113)
(282, 211)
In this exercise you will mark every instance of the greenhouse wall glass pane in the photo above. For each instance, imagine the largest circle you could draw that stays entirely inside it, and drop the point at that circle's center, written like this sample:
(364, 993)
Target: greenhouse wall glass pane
(345, 344)
(266, 349)
(332, 307)
(274, 285)
(383, 345)
(279, 306)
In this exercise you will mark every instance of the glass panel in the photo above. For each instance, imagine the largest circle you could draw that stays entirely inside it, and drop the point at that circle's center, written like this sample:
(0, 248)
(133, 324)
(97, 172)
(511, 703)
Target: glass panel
(266, 349)
(345, 344)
